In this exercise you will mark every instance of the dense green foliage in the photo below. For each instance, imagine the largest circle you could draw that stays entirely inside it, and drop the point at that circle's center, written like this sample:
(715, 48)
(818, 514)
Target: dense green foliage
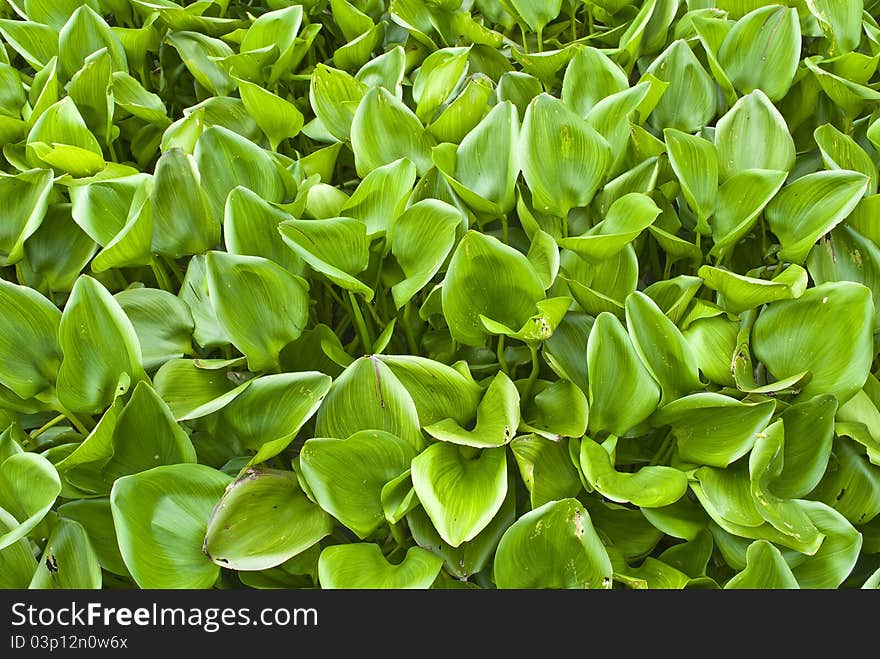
(439, 293)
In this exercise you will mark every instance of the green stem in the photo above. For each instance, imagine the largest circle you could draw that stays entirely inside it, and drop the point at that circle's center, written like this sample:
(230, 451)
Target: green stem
(79, 425)
(407, 329)
(665, 449)
(175, 268)
(533, 375)
(363, 334)
(397, 533)
(574, 32)
(501, 361)
(525, 45)
(54, 422)
(540, 35)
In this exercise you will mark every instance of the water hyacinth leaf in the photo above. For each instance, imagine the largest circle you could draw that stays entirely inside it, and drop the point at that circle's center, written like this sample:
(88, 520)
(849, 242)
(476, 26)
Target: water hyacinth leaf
(421, 239)
(537, 328)
(102, 354)
(438, 391)
(25, 200)
(812, 206)
(488, 278)
(208, 331)
(489, 190)
(649, 487)
(498, 416)
(662, 348)
(461, 493)
(809, 430)
(834, 561)
(591, 76)
(740, 293)
(559, 533)
(853, 488)
(68, 560)
(826, 331)
(713, 341)
(384, 130)
(17, 562)
(381, 196)
(200, 53)
(610, 117)
(226, 160)
(108, 453)
(56, 253)
(368, 396)
(556, 410)
(95, 516)
(335, 96)
(842, 23)
(30, 486)
(762, 51)
(688, 104)
(161, 517)
(739, 203)
(765, 569)
(840, 151)
(61, 139)
(627, 217)
(250, 228)
(277, 117)
(336, 247)
(582, 156)
(261, 306)
(439, 74)
(347, 476)
(182, 219)
(270, 412)
(616, 374)
(362, 566)
(29, 351)
(695, 163)
(714, 429)
(84, 33)
(546, 469)
(753, 135)
(193, 389)
(237, 537)
(35, 42)
(162, 322)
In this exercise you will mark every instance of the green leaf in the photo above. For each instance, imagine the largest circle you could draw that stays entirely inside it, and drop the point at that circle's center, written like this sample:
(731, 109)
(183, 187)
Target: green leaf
(546, 469)
(738, 293)
(437, 77)
(200, 53)
(102, 355)
(581, 156)
(250, 228)
(383, 130)
(95, 516)
(336, 247)
(162, 322)
(61, 139)
(826, 331)
(29, 351)
(108, 452)
(226, 160)
(556, 410)
(488, 278)
(617, 374)
(196, 388)
(277, 117)
(739, 203)
(753, 135)
(809, 430)
(335, 96)
(267, 415)
(68, 560)
(649, 487)
(662, 348)
(762, 51)
(765, 569)
(627, 217)
(811, 207)
(362, 566)
(381, 196)
(590, 76)
(83, 34)
(29, 486)
(182, 218)
(460, 493)
(695, 163)
(368, 396)
(238, 536)
(714, 429)
(497, 418)
(35, 42)
(421, 239)
(841, 22)
(840, 151)
(261, 306)
(161, 517)
(24, 200)
(688, 104)
(347, 476)
(554, 546)
(714, 341)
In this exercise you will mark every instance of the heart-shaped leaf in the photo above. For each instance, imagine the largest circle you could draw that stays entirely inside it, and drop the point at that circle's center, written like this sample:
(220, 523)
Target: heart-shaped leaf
(362, 566)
